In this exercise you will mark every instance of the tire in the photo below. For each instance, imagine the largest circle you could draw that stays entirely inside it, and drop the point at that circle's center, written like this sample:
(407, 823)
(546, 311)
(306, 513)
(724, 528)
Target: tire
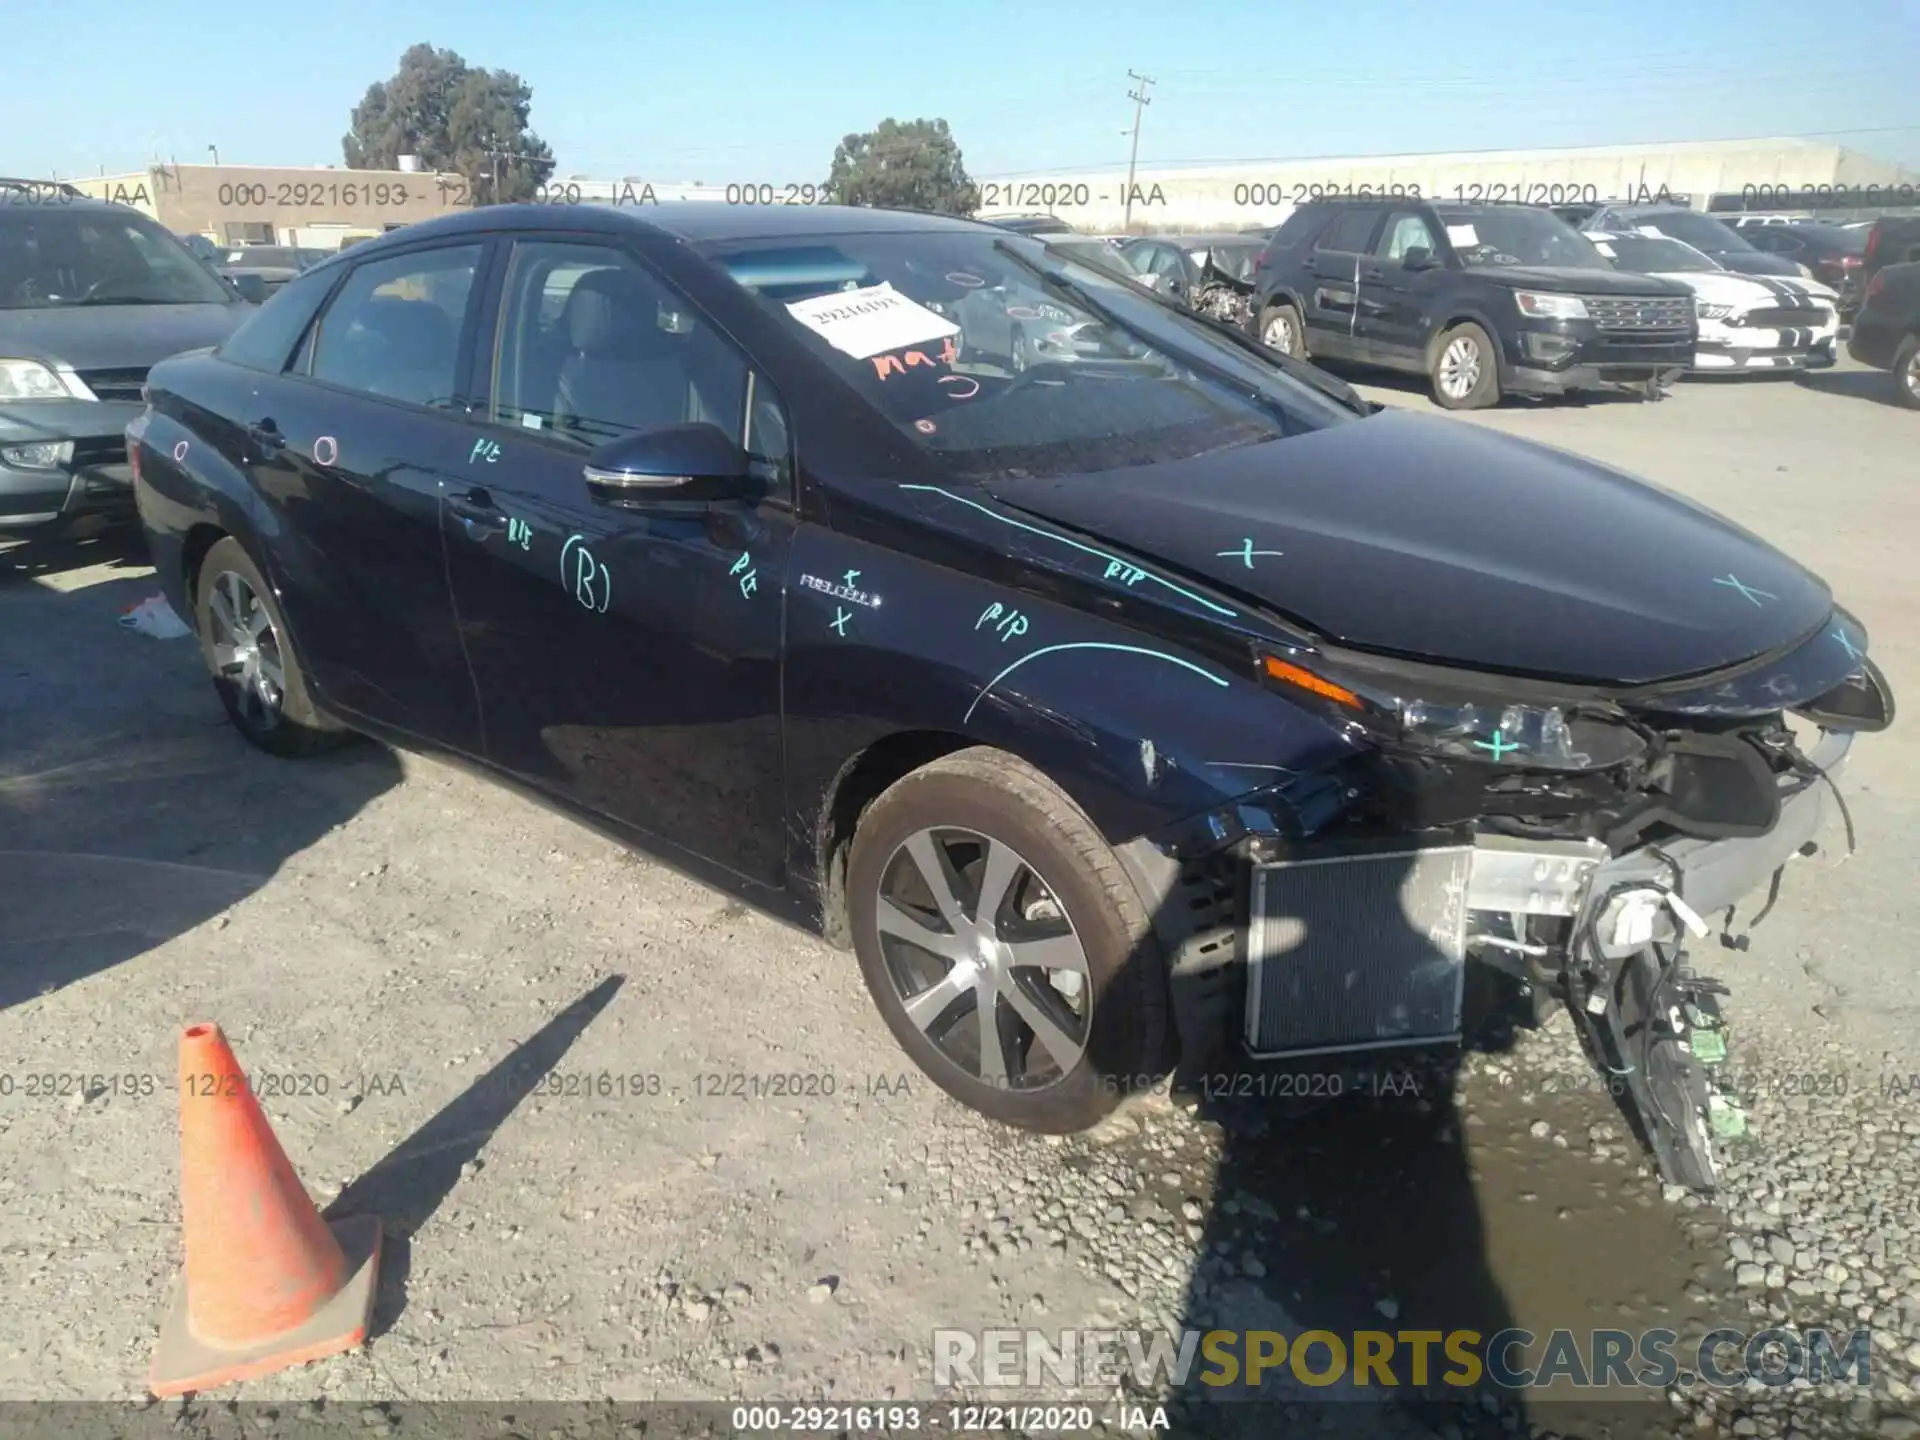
(1022, 355)
(1068, 903)
(244, 640)
(1906, 373)
(1464, 370)
(1282, 330)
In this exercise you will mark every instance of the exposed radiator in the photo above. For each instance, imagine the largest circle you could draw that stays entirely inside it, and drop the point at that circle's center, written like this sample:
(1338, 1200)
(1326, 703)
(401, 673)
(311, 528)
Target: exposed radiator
(1357, 952)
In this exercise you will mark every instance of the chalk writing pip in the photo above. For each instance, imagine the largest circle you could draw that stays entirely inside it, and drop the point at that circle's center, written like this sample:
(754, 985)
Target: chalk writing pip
(1009, 623)
(484, 449)
(520, 533)
(592, 586)
(748, 573)
(1126, 574)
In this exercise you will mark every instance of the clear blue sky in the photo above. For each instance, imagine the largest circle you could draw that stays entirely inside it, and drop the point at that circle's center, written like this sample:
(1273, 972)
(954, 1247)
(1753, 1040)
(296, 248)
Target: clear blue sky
(762, 90)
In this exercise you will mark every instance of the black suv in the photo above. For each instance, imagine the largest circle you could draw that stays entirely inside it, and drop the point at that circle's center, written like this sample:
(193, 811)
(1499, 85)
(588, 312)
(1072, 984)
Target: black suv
(91, 295)
(1886, 332)
(1484, 300)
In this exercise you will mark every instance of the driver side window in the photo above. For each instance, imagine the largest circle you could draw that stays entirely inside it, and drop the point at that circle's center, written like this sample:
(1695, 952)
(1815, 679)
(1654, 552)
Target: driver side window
(1406, 232)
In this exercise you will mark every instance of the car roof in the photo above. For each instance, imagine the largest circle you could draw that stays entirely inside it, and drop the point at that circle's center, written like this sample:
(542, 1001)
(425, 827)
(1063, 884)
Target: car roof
(701, 222)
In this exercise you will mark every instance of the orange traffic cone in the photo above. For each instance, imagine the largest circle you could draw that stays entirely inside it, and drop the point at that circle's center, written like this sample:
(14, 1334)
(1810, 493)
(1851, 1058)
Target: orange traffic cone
(268, 1284)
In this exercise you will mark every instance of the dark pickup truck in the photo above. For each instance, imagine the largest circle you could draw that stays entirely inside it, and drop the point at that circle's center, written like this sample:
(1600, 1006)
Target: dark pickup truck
(1485, 300)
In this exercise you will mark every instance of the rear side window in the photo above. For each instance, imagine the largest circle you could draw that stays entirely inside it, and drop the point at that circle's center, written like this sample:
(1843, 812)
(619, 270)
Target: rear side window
(1351, 232)
(394, 328)
(1300, 227)
(266, 339)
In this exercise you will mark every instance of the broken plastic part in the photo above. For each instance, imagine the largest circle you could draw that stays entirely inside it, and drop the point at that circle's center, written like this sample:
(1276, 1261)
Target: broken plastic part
(1727, 1120)
(1709, 1047)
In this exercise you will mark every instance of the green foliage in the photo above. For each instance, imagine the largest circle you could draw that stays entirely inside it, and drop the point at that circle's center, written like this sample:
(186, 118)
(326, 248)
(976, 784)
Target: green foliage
(911, 166)
(457, 118)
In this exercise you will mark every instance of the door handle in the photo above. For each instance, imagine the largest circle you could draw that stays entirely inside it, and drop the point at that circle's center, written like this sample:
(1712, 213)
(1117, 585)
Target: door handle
(477, 512)
(1376, 273)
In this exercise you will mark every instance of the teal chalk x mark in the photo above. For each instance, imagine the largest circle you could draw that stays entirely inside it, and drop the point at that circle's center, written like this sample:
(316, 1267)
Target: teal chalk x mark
(1854, 652)
(1733, 581)
(1498, 746)
(1091, 645)
(592, 586)
(484, 449)
(519, 533)
(840, 618)
(1009, 623)
(1115, 565)
(749, 576)
(1246, 552)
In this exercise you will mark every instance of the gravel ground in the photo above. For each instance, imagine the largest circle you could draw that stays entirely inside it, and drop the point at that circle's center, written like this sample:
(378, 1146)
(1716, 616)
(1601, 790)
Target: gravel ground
(434, 969)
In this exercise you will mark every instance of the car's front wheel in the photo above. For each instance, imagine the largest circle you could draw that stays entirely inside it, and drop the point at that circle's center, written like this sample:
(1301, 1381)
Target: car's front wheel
(1464, 371)
(243, 637)
(1005, 946)
(1280, 329)
(1906, 373)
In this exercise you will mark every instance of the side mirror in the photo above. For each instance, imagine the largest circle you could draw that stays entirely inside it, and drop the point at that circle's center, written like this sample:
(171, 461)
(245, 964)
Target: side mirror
(1418, 258)
(251, 287)
(697, 461)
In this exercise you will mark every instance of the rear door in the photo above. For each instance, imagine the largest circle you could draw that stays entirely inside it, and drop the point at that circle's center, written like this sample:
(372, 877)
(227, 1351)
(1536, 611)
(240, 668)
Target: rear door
(626, 649)
(350, 451)
(1333, 292)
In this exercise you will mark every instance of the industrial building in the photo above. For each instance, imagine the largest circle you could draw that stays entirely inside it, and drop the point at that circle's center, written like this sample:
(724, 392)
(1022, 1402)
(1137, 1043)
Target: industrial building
(325, 206)
(1784, 173)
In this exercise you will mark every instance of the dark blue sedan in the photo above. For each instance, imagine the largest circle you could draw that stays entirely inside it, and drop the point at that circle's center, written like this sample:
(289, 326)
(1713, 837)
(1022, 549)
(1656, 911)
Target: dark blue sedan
(1124, 696)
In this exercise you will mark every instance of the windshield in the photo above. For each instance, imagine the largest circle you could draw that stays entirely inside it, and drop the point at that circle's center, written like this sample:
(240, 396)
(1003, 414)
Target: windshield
(1646, 255)
(1702, 232)
(1517, 235)
(1008, 359)
(51, 256)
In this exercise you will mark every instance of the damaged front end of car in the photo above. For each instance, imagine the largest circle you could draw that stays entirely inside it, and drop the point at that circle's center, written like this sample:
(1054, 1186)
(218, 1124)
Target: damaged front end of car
(1564, 843)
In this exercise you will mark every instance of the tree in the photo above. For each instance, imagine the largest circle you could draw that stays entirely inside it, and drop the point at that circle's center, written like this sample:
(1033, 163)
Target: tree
(458, 119)
(915, 166)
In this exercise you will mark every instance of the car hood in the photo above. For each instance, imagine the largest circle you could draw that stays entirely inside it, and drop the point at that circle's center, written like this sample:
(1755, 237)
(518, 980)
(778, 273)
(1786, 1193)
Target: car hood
(1441, 539)
(1756, 262)
(115, 337)
(1747, 292)
(1573, 280)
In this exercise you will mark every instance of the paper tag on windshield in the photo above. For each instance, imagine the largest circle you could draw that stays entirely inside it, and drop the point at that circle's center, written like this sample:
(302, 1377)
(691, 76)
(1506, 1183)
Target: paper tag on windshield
(1651, 231)
(865, 323)
(1463, 235)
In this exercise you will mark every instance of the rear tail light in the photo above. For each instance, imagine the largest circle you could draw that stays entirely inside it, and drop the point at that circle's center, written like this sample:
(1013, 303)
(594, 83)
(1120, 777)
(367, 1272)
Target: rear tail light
(133, 460)
(1848, 262)
(1873, 242)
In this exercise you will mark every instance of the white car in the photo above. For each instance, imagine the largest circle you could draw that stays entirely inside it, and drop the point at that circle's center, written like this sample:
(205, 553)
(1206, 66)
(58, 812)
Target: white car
(1747, 322)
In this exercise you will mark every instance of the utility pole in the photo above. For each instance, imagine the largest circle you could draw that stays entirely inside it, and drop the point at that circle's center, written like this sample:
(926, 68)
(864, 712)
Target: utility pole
(1140, 103)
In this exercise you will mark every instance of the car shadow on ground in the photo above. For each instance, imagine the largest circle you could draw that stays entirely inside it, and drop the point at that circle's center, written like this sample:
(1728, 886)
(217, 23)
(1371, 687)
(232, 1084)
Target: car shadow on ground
(1875, 385)
(131, 811)
(413, 1179)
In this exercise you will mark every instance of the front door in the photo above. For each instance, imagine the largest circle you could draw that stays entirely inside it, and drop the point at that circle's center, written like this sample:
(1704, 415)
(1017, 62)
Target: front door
(350, 450)
(1392, 324)
(626, 650)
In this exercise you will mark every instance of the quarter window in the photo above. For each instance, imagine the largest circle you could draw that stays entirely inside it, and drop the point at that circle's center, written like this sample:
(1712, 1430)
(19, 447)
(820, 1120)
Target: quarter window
(1350, 232)
(592, 346)
(394, 328)
(267, 337)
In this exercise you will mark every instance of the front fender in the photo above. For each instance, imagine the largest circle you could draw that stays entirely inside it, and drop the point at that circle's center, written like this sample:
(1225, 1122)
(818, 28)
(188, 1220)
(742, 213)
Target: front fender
(1140, 731)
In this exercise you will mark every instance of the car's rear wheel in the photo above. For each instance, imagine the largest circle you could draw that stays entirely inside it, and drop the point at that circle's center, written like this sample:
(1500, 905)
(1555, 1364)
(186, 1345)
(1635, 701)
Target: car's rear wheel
(1906, 373)
(1280, 329)
(1005, 946)
(244, 639)
(1465, 371)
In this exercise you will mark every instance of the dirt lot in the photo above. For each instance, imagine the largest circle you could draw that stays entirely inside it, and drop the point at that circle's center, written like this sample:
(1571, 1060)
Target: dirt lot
(433, 966)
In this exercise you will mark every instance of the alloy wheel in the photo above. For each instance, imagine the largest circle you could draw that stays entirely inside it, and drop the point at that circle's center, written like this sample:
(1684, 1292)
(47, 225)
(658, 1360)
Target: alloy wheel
(1460, 367)
(1279, 334)
(246, 650)
(1910, 376)
(984, 959)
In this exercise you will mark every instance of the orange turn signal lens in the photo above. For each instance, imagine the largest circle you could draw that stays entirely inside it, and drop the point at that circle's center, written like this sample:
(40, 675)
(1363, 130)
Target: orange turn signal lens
(1278, 669)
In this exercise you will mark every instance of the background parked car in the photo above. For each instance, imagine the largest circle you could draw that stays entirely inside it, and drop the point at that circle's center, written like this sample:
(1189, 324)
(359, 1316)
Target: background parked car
(1747, 322)
(1831, 252)
(1210, 273)
(1482, 299)
(1030, 224)
(274, 264)
(1701, 231)
(1891, 240)
(1886, 332)
(91, 296)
